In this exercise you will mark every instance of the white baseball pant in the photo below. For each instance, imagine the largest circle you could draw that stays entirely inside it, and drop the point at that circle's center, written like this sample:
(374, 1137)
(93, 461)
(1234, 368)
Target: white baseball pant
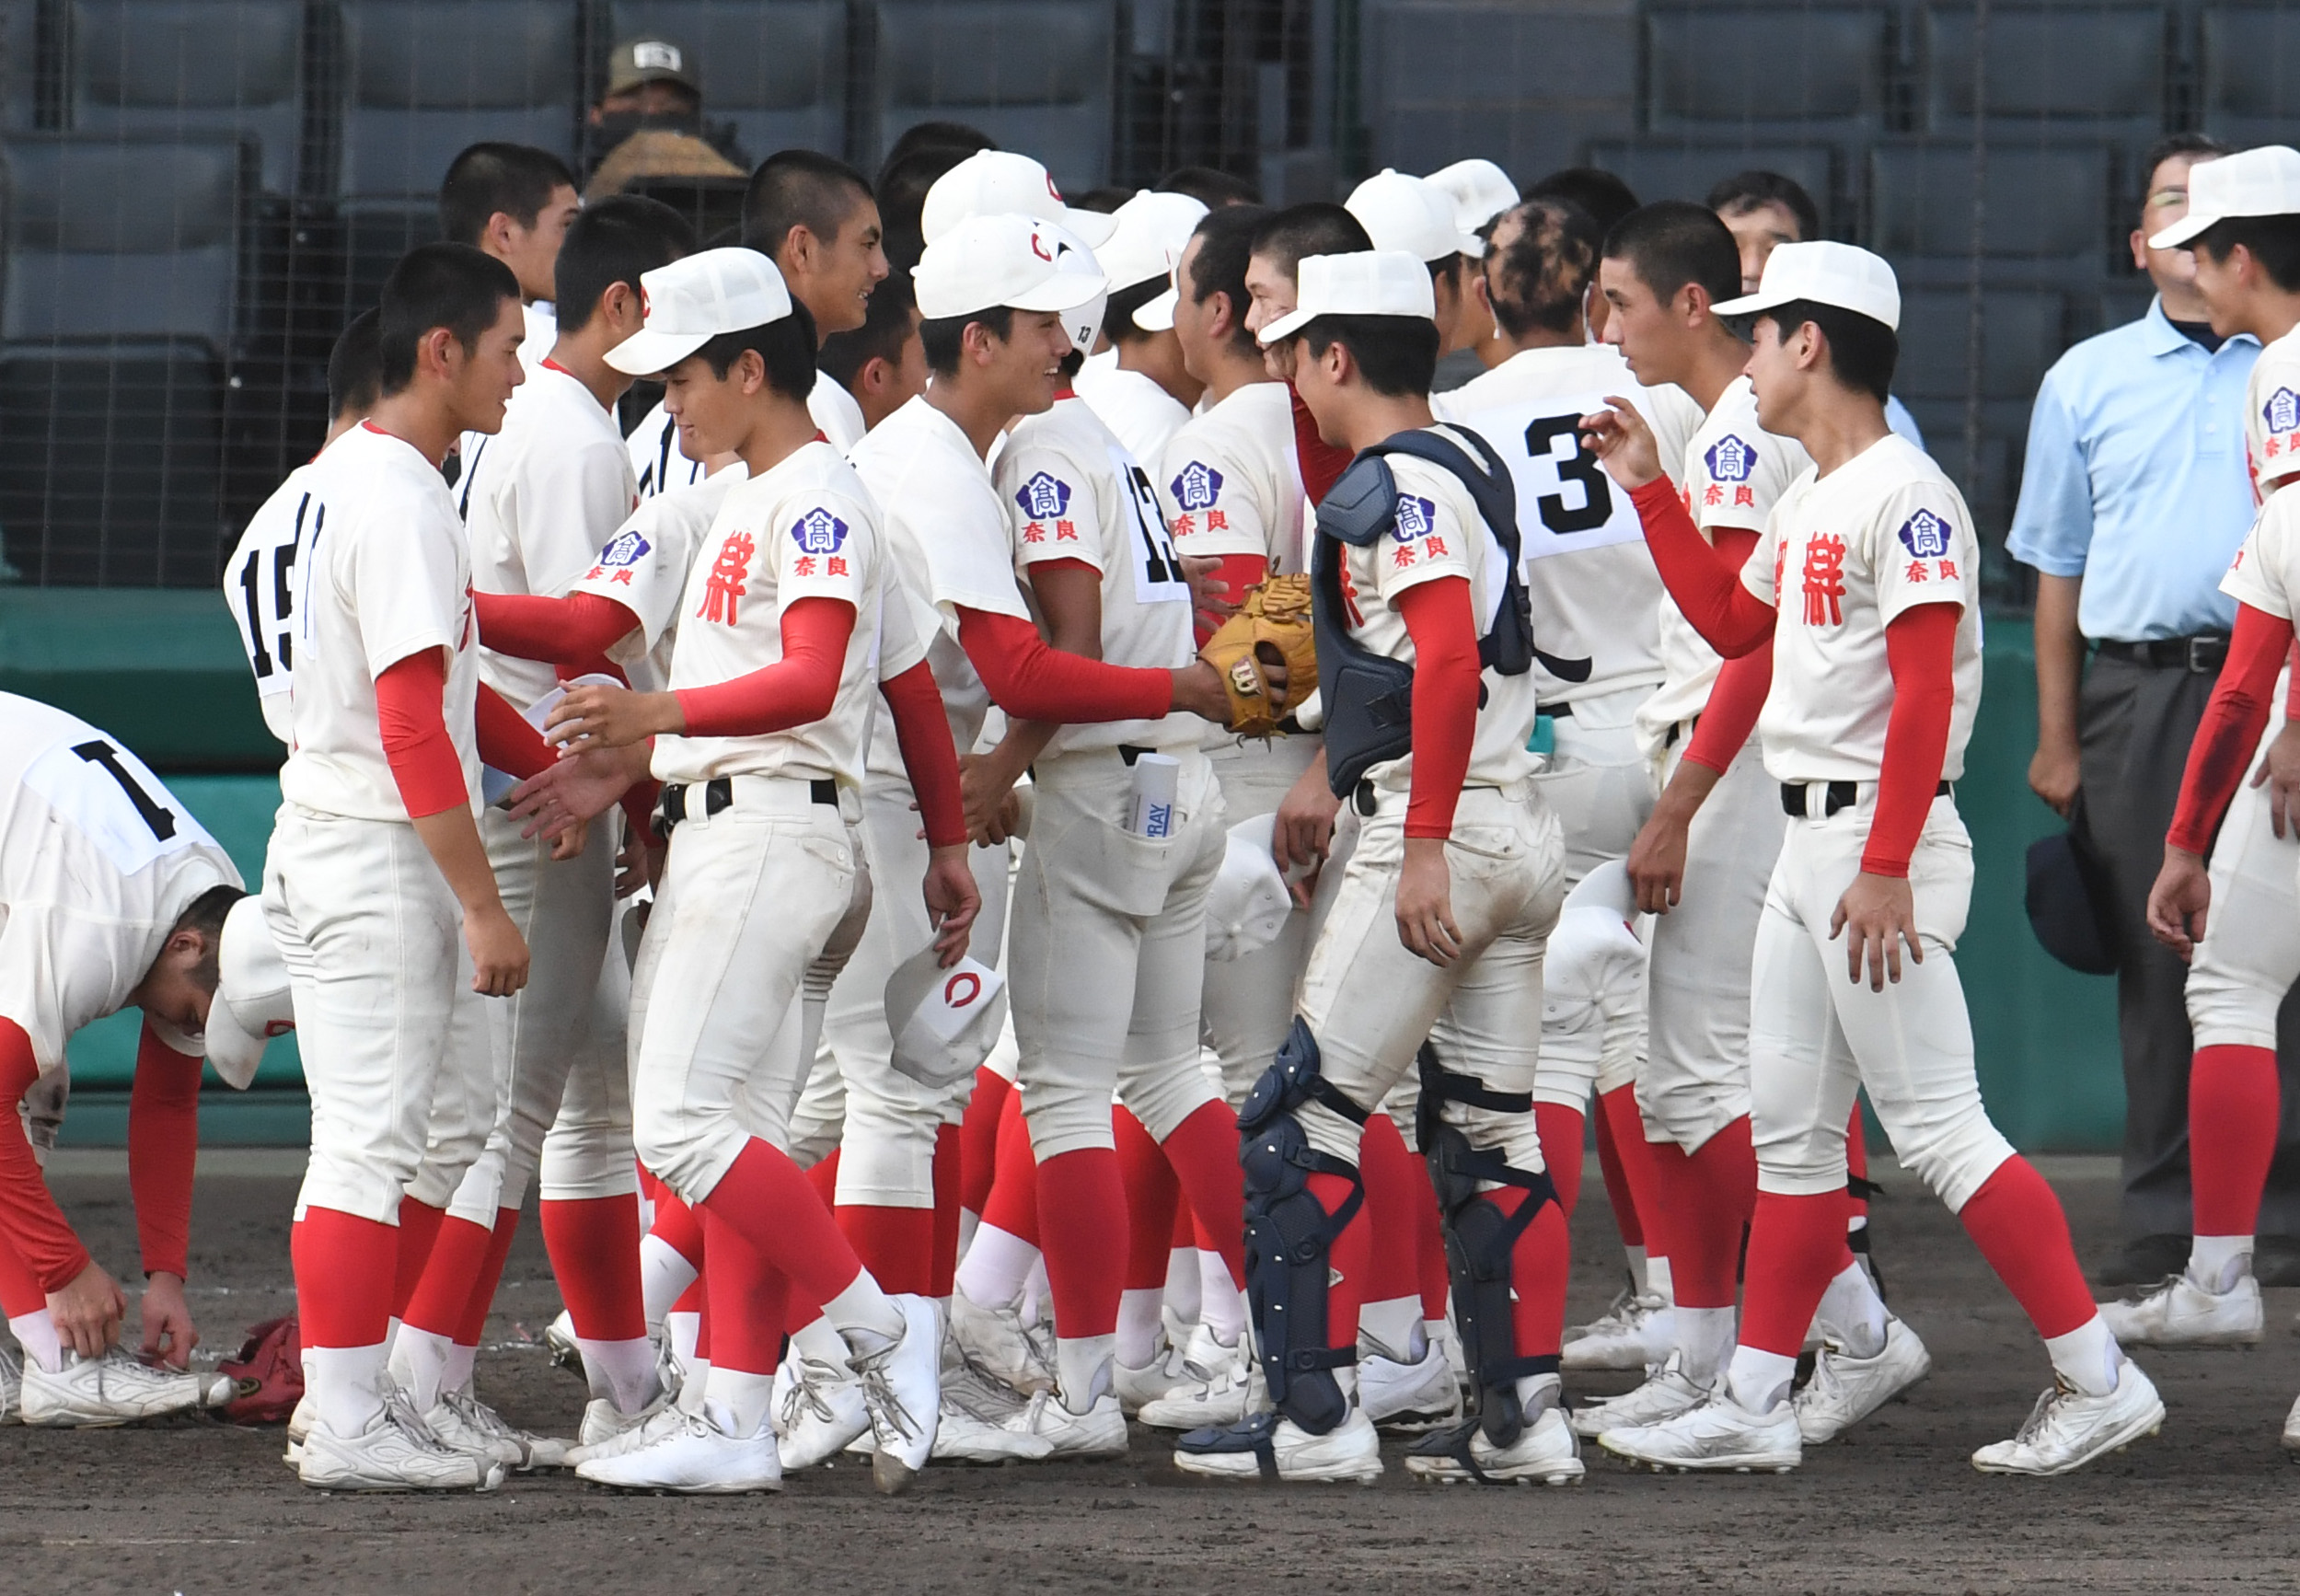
(2250, 954)
(587, 1153)
(1249, 1002)
(1815, 1037)
(1596, 782)
(1593, 999)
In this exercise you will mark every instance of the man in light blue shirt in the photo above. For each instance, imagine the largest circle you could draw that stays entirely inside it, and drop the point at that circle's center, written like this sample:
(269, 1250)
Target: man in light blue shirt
(2133, 502)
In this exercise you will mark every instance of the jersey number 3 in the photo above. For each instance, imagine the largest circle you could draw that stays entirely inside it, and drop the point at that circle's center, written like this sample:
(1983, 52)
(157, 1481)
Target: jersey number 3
(1577, 465)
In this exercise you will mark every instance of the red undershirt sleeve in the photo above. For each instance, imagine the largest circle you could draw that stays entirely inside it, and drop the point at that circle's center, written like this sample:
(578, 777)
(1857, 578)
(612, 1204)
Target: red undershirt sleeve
(2292, 698)
(1237, 572)
(415, 742)
(1921, 650)
(32, 1222)
(1708, 591)
(507, 740)
(1739, 694)
(923, 734)
(550, 629)
(1322, 463)
(799, 687)
(1034, 681)
(163, 1151)
(1438, 618)
(2234, 719)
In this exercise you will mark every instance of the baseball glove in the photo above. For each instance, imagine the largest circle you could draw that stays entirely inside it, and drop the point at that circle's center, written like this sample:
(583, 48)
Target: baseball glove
(1273, 625)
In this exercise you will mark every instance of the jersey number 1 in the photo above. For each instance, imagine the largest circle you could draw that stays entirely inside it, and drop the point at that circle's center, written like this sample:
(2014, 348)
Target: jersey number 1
(157, 815)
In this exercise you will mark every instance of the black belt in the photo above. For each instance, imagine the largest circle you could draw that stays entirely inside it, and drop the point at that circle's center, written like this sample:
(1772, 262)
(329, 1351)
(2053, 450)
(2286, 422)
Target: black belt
(1130, 753)
(1557, 711)
(2199, 655)
(1677, 729)
(717, 795)
(1841, 795)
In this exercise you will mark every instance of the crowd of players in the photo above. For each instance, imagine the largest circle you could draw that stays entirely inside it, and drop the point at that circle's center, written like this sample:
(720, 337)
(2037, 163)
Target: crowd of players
(795, 833)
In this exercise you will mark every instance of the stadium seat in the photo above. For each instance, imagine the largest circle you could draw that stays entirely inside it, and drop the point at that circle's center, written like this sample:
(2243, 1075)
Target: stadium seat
(2046, 207)
(2094, 68)
(1034, 74)
(20, 64)
(2023, 331)
(1795, 70)
(777, 69)
(190, 67)
(1665, 170)
(2251, 71)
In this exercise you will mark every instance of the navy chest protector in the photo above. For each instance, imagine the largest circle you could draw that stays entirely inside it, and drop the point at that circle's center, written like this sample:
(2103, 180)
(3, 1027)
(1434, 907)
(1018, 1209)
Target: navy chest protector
(1368, 698)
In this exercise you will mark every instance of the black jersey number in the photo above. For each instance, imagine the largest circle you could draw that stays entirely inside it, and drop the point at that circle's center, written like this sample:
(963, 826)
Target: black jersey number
(267, 624)
(1580, 466)
(1161, 565)
(156, 814)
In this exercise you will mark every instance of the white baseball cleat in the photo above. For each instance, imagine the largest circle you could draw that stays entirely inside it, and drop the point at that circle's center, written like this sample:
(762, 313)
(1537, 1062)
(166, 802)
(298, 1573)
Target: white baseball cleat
(11, 1385)
(396, 1452)
(1270, 1447)
(1663, 1396)
(1222, 1378)
(2067, 1430)
(608, 1430)
(1718, 1435)
(819, 1411)
(1448, 1340)
(995, 1339)
(1165, 1374)
(1845, 1390)
(1636, 1332)
(462, 1421)
(96, 1393)
(692, 1457)
(559, 1340)
(902, 1392)
(2291, 1433)
(2177, 1311)
(1099, 1432)
(977, 1411)
(1545, 1452)
(1399, 1394)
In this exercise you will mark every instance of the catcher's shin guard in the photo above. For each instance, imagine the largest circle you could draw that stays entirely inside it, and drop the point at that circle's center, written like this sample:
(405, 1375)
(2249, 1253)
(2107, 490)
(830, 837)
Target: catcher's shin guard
(1481, 1240)
(1289, 1235)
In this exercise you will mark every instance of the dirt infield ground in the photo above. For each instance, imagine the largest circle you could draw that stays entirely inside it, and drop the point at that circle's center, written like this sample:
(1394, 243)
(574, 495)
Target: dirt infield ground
(2209, 1505)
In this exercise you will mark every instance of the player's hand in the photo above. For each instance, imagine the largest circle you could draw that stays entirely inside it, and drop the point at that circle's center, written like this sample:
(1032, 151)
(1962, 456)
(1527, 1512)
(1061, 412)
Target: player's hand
(578, 787)
(1657, 861)
(2176, 903)
(1198, 688)
(2052, 777)
(1425, 903)
(595, 715)
(1880, 913)
(168, 1332)
(986, 791)
(640, 862)
(89, 1312)
(1619, 437)
(1209, 594)
(953, 901)
(2281, 772)
(1302, 833)
(498, 954)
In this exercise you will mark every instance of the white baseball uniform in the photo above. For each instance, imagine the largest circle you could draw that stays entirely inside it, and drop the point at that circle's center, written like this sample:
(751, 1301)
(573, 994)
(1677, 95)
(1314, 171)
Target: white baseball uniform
(1843, 556)
(1139, 414)
(2272, 411)
(1108, 947)
(259, 587)
(659, 462)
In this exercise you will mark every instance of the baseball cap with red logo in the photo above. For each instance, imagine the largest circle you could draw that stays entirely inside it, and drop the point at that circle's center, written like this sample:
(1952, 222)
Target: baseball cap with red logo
(989, 182)
(1024, 262)
(691, 301)
(252, 1001)
(944, 1021)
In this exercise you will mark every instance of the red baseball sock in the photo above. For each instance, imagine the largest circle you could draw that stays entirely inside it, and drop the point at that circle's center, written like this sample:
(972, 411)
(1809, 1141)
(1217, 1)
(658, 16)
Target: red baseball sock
(1629, 1178)
(701, 1307)
(1203, 1150)
(950, 1182)
(765, 1196)
(1348, 1262)
(1013, 1205)
(824, 1178)
(1152, 1195)
(2233, 1106)
(1796, 1247)
(490, 1276)
(742, 1313)
(343, 1269)
(1617, 1184)
(1393, 1237)
(1561, 1130)
(419, 1228)
(896, 1245)
(2016, 1222)
(1855, 1162)
(1185, 1231)
(1705, 1199)
(979, 1138)
(691, 1300)
(1539, 1264)
(594, 1244)
(444, 1290)
(677, 1227)
(1082, 1208)
(1429, 1248)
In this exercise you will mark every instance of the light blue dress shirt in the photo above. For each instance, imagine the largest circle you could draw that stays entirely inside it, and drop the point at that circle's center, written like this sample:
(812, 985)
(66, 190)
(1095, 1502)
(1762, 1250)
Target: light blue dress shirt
(2135, 479)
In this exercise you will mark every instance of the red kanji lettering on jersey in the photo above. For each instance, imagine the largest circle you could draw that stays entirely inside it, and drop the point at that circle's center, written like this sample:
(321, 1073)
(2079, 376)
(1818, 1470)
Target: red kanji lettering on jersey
(1917, 573)
(1712, 495)
(724, 584)
(1434, 546)
(2274, 446)
(595, 574)
(802, 566)
(1065, 531)
(1824, 581)
(1036, 532)
(1745, 496)
(836, 567)
(1349, 599)
(1403, 557)
(1184, 526)
(1217, 520)
(1948, 571)
(621, 577)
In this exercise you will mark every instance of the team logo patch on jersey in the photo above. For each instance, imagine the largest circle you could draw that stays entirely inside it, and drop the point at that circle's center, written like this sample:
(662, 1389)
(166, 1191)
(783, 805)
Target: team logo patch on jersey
(1729, 459)
(627, 548)
(1043, 497)
(819, 532)
(1417, 517)
(1197, 487)
(1925, 536)
(2281, 411)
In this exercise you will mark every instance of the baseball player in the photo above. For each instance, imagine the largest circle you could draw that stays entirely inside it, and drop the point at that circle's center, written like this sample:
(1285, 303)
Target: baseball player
(2244, 954)
(375, 857)
(1480, 191)
(1436, 930)
(1403, 211)
(514, 202)
(1876, 679)
(1141, 386)
(111, 897)
(759, 744)
(881, 364)
(540, 501)
(814, 216)
(1704, 857)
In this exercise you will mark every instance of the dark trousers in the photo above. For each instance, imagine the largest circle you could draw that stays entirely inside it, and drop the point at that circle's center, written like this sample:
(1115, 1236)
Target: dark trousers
(2135, 725)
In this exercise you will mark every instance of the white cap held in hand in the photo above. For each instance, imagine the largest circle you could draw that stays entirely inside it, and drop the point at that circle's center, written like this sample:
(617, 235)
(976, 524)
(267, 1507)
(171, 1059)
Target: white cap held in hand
(1844, 275)
(1402, 212)
(1371, 283)
(692, 300)
(2261, 182)
(990, 183)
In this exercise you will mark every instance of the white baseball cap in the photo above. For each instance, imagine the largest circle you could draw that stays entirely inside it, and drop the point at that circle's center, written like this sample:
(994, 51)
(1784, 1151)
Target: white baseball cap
(990, 183)
(1844, 275)
(1020, 262)
(943, 1022)
(1152, 231)
(1247, 906)
(1480, 191)
(252, 1001)
(2261, 182)
(1370, 283)
(1403, 211)
(693, 300)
